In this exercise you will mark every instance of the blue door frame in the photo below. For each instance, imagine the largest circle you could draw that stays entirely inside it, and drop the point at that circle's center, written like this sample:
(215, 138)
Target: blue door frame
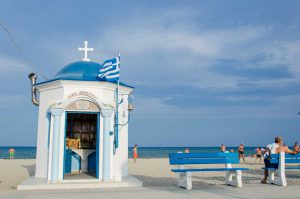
(97, 139)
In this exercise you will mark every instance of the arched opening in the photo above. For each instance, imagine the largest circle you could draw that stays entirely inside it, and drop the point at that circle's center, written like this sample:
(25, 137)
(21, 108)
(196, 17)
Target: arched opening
(82, 129)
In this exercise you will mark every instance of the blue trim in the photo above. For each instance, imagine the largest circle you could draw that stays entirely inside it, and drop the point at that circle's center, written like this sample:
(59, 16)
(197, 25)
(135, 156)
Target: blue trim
(97, 134)
(70, 79)
(65, 134)
(97, 145)
(49, 128)
(116, 140)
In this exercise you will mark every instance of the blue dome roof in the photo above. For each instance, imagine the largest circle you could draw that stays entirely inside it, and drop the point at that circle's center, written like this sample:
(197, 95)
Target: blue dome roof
(79, 71)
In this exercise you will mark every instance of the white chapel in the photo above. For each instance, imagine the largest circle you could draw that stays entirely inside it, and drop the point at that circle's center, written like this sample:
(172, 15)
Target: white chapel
(77, 136)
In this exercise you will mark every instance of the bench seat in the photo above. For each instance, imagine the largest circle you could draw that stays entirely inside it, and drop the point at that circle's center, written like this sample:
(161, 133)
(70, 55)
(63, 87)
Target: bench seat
(209, 169)
(289, 168)
(269, 168)
(295, 167)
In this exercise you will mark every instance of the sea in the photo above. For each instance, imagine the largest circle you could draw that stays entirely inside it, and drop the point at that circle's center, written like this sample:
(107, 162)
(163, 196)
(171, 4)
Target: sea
(143, 152)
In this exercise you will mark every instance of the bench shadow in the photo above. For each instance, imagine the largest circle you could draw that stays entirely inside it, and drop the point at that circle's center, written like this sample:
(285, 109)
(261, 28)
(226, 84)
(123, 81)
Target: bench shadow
(198, 182)
(169, 184)
(149, 181)
(249, 177)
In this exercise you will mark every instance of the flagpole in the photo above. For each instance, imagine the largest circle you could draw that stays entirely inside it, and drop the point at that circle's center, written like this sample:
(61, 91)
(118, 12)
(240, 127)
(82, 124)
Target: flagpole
(117, 111)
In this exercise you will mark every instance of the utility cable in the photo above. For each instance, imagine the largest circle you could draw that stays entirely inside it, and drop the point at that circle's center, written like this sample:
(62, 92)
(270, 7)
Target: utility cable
(19, 49)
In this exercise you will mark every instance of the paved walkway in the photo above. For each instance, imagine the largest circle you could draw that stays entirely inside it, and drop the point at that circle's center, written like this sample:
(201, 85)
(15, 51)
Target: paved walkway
(214, 192)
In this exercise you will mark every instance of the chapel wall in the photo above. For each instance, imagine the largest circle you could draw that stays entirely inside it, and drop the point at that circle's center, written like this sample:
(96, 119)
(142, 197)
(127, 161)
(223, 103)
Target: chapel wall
(47, 98)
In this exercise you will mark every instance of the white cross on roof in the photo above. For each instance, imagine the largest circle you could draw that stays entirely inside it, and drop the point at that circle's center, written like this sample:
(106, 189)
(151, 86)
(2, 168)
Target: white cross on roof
(85, 49)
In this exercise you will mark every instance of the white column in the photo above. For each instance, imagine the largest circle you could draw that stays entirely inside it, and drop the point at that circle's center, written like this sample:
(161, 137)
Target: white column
(56, 114)
(107, 151)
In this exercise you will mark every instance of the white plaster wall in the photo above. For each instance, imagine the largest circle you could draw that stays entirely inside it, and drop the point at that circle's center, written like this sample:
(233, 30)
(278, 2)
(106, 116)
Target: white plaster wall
(121, 156)
(46, 98)
(111, 139)
(101, 147)
(61, 148)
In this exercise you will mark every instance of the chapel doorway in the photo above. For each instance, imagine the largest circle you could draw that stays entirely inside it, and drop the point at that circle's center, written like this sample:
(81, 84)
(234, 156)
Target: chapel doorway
(81, 145)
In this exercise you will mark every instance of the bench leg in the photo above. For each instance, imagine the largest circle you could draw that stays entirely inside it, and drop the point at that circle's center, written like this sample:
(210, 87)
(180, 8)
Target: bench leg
(185, 180)
(281, 181)
(234, 180)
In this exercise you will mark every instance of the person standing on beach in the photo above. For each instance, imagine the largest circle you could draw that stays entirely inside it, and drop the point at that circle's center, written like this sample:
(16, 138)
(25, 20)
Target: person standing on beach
(241, 152)
(11, 153)
(186, 150)
(274, 148)
(258, 154)
(135, 153)
(223, 148)
(296, 147)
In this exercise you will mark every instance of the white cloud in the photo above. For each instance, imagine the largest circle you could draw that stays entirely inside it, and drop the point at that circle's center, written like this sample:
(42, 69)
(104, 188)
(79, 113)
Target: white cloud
(284, 53)
(180, 50)
(217, 43)
(282, 107)
(10, 66)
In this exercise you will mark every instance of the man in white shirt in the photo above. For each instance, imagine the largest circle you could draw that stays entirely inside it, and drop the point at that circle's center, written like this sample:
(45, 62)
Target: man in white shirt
(274, 148)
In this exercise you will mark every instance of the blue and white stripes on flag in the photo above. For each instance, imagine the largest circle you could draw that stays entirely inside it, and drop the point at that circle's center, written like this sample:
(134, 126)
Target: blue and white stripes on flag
(110, 70)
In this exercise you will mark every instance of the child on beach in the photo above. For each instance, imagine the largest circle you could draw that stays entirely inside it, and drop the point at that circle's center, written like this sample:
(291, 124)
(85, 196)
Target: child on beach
(11, 153)
(135, 153)
(274, 148)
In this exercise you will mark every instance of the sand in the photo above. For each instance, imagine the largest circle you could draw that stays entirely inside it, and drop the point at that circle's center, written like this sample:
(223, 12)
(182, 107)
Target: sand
(153, 172)
(13, 172)
(156, 172)
(159, 182)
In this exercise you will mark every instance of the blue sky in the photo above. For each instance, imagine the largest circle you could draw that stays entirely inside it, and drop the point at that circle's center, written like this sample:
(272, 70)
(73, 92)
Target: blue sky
(205, 72)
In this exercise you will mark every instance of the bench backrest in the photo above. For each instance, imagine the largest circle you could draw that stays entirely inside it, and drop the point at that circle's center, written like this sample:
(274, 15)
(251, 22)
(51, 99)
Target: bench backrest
(203, 158)
(289, 159)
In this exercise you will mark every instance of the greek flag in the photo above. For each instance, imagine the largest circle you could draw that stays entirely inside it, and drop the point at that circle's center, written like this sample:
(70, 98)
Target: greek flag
(110, 70)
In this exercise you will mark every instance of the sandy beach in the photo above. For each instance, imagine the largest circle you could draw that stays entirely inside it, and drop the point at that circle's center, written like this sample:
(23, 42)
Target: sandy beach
(157, 177)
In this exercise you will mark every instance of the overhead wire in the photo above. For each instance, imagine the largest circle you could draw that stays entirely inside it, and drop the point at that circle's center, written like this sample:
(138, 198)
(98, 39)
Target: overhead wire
(20, 51)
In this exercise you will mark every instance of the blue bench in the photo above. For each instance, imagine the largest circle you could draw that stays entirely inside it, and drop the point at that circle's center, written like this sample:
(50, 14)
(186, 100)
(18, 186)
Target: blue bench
(284, 162)
(185, 174)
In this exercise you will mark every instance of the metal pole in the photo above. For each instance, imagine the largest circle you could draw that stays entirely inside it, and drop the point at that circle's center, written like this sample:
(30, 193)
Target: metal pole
(117, 112)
